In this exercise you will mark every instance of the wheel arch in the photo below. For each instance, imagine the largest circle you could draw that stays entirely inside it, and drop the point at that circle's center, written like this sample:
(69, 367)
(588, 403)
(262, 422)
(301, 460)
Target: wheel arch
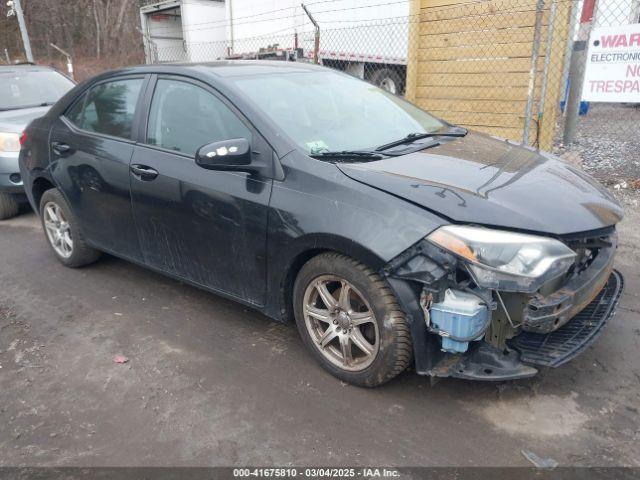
(39, 186)
(310, 246)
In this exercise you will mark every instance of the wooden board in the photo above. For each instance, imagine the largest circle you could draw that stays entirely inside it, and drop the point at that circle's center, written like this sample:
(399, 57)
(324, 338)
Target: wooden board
(475, 8)
(479, 119)
(480, 39)
(476, 66)
(499, 21)
(502, 132)
(520, 50)
(473, 80)
(469, 93)
(478, 106)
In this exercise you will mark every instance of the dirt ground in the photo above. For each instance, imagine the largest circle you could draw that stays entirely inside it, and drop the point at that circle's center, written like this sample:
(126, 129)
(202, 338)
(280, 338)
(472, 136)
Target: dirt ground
(209, 382)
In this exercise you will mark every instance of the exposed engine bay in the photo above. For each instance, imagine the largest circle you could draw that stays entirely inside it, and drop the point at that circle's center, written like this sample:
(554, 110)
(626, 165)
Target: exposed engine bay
(487, 333)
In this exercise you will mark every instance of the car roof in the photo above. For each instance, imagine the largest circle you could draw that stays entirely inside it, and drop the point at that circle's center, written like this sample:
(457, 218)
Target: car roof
(26, 67)
(225, 68)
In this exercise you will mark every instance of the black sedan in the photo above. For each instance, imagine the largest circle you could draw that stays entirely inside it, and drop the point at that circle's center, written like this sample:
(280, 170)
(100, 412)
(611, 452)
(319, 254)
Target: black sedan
(393, 238)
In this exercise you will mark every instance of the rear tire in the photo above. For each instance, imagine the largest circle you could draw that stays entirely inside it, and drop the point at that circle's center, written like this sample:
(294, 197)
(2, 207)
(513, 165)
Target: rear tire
(360, 336)
(9, 206)
(63, 233)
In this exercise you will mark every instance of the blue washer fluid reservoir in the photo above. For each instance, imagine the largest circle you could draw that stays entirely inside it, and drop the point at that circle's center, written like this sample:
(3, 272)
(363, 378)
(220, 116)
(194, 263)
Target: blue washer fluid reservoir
(460, 315)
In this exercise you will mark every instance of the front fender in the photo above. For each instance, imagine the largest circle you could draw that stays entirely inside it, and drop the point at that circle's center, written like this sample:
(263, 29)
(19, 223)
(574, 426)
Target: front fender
(319, 208)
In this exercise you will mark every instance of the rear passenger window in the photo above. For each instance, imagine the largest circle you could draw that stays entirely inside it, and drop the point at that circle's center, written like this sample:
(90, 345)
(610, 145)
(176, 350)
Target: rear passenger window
(108, 108)
(74, 114)
(184, 117)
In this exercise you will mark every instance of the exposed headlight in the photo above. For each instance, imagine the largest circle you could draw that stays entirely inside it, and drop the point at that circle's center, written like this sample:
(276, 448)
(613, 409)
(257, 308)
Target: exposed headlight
(9, 142)
(506, 261)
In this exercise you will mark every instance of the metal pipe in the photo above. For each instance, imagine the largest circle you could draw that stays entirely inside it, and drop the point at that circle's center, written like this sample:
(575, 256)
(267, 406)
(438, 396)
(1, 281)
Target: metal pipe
(316, 45)
(568, 51)
(231, 39)
(533, 72)
(576, 72)
(23, 30)
(69, 59)
(547, 61)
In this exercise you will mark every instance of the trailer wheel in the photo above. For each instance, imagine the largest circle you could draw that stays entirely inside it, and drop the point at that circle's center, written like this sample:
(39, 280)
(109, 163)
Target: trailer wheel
(388, 80)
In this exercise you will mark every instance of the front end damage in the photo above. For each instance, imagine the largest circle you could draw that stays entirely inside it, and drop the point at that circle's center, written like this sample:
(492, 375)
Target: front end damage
(461, 329)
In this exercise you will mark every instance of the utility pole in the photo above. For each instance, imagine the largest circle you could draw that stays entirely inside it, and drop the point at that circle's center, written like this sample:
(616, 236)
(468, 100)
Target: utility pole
(23, 28)
(576, 72)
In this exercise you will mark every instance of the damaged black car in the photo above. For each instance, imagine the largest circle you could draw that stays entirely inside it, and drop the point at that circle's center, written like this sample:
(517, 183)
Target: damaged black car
(392, 238)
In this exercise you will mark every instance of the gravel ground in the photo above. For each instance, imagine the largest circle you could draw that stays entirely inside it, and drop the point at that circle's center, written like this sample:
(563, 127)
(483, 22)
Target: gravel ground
(608, 144)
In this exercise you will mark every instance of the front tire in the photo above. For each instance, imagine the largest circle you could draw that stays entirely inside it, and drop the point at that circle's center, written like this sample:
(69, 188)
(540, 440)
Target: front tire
(9, 206)
(63, 232)
(350, 320)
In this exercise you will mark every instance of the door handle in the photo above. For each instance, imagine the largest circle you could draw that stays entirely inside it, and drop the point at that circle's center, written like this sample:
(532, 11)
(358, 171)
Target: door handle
(60, 148)
(142, 172)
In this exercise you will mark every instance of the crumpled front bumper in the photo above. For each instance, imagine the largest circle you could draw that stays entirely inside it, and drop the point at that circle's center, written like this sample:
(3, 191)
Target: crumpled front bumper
(559, 346)
(484, 362)
(556, 327)
(545, 314)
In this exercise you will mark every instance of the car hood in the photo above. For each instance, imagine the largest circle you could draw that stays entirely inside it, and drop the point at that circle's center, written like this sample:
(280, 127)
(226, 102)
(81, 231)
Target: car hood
(483, 180)
(16, 120)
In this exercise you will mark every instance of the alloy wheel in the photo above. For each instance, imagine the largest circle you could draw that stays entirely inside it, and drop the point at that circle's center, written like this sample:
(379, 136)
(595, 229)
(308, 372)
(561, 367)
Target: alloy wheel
(58, 229)
(341, 323)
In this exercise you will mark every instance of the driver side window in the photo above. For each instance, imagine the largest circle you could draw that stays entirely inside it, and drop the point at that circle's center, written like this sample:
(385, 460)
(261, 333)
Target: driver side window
(183, 117)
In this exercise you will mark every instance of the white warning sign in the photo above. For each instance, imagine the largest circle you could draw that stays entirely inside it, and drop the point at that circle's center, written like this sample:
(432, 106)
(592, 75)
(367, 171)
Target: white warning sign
(613, 65)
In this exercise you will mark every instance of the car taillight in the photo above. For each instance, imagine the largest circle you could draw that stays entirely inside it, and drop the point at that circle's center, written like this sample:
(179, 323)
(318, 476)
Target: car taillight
(23, 138)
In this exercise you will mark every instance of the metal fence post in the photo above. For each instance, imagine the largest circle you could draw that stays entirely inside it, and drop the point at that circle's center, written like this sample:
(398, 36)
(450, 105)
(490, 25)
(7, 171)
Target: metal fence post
(316, 43)
(547, 62)
(532, 73)
(231, 36)
(569, 50)
(576, 72)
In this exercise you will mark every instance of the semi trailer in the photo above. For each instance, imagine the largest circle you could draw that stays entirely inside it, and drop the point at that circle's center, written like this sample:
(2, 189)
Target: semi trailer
(366, 38)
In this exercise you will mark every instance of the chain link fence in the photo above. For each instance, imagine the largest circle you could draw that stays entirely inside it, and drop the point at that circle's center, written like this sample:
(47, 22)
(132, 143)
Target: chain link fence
(503, 67)
(376, 51)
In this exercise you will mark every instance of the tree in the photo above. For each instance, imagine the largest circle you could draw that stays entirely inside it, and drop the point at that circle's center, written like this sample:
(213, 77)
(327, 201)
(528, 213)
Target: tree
(99, 34)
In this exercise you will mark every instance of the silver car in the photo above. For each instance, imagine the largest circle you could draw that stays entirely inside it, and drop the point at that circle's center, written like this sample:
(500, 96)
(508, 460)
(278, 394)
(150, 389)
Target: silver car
(26, 92)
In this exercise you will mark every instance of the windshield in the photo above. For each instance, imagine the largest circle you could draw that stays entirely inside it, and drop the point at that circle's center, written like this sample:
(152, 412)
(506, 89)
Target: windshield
(330, 111)
(22, 89)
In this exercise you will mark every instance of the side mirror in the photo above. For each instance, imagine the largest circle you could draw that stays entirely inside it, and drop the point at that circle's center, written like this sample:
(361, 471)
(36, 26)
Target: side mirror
(234, 154)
